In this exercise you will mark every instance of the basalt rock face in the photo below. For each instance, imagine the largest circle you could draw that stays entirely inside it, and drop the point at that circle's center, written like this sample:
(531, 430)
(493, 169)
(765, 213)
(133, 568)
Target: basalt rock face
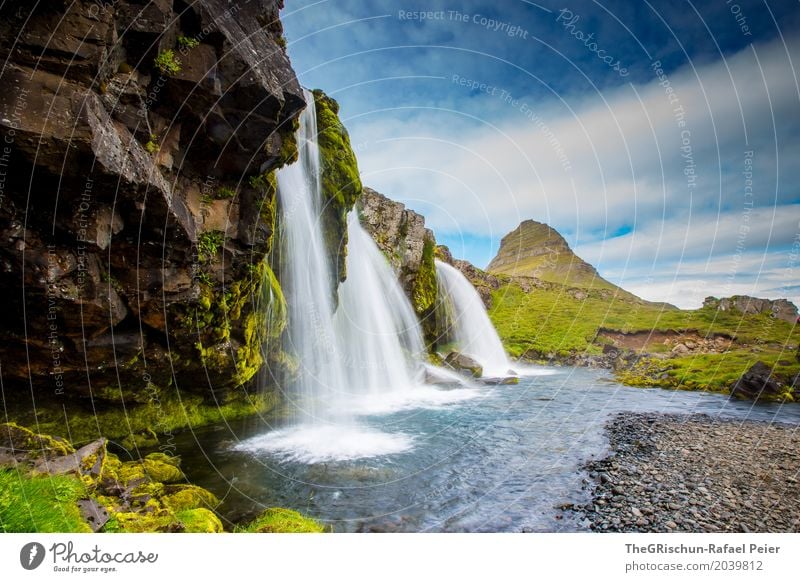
(401, 234)
(777, 308)
(138, 142)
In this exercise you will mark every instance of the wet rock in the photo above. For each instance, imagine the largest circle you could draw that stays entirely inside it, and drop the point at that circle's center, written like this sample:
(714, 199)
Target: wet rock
(464, 364)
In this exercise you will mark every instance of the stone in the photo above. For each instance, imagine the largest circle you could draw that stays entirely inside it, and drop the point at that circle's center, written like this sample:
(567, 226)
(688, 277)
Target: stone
(464, 363)
(88, 460)
(401, 235)
(758, 382)
(93, 513)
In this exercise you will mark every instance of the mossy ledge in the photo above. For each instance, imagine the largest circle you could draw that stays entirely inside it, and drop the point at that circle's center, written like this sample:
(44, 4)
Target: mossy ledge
(341, 182)
(48, 486)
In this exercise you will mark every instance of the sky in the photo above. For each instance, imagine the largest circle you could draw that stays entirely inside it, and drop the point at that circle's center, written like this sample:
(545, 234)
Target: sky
(661, 138)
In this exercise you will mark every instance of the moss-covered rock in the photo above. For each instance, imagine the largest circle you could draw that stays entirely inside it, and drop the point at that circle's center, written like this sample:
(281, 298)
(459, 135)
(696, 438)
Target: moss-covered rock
(199, 520)
(280, 520)
(163, 472)
(182, 497)
(341, 183)
(19, 438)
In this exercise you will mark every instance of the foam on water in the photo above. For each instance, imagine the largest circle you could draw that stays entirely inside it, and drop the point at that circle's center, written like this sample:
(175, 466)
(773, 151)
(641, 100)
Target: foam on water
(321, 444)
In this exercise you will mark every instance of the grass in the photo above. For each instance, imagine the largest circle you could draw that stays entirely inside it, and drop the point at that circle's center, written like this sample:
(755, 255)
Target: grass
(551, 322)
(40, 504)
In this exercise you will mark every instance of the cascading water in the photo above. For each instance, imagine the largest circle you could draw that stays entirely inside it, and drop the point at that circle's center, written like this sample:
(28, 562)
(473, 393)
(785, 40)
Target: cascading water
(361, 358)
(469, 325)
(375, 324)
(306, 278)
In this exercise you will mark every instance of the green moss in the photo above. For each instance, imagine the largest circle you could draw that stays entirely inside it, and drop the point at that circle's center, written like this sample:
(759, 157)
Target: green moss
(40, 504)
(162, 472)
(19, 438)
(341, 182)
(134, 424)
(288, 153)
(167, 63)
(225, 193)
(189, 497)
(209, 244)
(267, 186)
(200, 520)
(152, 146)
(425, 287)
(280, 520)
(133, 493)
(255, 304)
(187, 42)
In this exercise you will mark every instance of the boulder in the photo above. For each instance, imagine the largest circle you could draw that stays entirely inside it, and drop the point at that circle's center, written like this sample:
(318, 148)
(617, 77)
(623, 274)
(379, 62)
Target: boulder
(464, 364)
(759, 383)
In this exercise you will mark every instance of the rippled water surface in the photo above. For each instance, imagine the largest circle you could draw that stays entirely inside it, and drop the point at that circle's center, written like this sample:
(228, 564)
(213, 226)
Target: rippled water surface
(498, 458)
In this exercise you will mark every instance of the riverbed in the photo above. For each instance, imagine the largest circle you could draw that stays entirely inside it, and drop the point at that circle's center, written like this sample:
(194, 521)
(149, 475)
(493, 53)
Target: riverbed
(469, 459)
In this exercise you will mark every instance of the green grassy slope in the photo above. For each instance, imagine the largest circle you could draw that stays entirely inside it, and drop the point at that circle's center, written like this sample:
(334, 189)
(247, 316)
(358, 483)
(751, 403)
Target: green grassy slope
(558, 323)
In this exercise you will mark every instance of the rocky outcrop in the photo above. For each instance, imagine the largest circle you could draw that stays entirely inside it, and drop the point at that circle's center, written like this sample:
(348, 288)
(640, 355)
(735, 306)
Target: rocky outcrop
(778, 308)
(484, 283)
(760, 383)
(341, 183)
(137, 203)
(401, 234)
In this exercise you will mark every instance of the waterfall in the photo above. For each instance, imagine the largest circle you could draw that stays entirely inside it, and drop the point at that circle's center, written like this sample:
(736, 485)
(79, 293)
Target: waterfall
(306, 277)
(375, 325)
(468, 324)
(362, 357)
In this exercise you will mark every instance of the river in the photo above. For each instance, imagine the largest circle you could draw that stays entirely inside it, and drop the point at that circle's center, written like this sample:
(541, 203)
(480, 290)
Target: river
(491, 459)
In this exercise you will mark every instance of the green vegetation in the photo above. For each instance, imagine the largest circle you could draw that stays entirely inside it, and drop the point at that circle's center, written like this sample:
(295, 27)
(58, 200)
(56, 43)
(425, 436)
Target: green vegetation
(225, 193)
(152, 145)
(425, 286)
(208, 245)
(279, 520)
(187, 42)
(341, 182)
(167, 63)
(41, 504)
(556, 322)
(144, 495)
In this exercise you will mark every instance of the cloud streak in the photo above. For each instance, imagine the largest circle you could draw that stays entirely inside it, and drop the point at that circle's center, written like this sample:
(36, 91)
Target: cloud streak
(646, 179)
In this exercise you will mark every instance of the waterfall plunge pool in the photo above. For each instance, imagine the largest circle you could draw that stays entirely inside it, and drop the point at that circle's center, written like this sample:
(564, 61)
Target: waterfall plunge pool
(490, 459)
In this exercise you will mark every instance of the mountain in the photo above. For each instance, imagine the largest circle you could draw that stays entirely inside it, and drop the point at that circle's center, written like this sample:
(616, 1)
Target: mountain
(534, 249)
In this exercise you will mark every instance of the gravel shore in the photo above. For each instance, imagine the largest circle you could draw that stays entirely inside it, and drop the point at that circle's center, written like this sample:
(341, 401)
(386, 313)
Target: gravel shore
(695, 474)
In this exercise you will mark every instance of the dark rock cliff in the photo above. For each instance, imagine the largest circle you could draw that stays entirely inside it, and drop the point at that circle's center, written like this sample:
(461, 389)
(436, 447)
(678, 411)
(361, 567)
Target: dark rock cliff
(138, 142)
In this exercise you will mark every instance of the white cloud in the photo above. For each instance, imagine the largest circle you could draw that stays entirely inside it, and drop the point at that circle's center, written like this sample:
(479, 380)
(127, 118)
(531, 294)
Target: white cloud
(482, 177)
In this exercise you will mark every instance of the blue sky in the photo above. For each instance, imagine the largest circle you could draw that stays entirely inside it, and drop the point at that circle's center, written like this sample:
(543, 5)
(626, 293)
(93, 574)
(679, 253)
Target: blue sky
(662, 139)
